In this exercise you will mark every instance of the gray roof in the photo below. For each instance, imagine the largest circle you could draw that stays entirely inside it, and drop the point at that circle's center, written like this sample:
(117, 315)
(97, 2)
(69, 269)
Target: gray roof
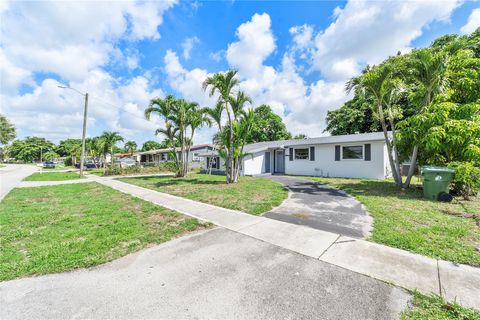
(167, 150)
(348, 138)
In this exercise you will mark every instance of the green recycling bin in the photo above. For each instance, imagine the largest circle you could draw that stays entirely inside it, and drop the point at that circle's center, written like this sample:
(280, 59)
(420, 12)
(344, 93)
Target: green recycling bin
(436, 180)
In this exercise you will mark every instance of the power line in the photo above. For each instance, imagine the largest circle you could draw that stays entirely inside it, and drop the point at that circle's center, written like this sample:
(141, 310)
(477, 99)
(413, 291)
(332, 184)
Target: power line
(119, 108)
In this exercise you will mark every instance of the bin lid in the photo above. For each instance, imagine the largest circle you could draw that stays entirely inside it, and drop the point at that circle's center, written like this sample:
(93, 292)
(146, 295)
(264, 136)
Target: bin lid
(437, 169)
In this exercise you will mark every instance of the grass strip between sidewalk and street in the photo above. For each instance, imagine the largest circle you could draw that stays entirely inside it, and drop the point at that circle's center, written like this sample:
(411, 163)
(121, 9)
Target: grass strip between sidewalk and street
(434, 307)
(59, 228)
(52, 176)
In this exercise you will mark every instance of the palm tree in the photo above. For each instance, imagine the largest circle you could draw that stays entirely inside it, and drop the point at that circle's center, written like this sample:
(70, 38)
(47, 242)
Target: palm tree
(375, 82)
(224, 84)
(428, 69)
(197, 117)
(180, 116)
(130, 147)
(108, 141)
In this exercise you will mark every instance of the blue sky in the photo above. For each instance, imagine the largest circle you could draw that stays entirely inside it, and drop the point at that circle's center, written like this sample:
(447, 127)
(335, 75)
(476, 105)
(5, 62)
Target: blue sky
(292, 55)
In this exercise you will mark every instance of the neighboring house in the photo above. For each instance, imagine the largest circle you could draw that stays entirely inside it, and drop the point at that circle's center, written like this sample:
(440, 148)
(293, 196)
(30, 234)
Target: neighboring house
(351, 156)
(163, 155)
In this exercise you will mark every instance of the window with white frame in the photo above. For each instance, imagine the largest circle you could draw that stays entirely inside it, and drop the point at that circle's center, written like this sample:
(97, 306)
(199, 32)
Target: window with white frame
(164, 157)
(301, 154)
(195, 157)
(352, 152)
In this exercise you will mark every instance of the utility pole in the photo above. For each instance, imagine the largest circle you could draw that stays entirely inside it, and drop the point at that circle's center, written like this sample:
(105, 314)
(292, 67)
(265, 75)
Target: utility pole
(82, 156)
(84, 131)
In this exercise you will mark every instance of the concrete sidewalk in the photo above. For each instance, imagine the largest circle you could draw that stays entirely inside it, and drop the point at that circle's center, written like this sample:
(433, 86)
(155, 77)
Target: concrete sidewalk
(458, 283)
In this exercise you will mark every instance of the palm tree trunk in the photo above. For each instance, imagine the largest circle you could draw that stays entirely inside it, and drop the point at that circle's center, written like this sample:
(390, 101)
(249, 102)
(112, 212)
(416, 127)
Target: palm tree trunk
(413, 158)
(395, 150)
(387, 142)
(411, 170)
(230, 175)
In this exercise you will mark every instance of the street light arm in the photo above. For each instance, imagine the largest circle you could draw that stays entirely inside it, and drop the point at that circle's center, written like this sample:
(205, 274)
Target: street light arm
(67, 87)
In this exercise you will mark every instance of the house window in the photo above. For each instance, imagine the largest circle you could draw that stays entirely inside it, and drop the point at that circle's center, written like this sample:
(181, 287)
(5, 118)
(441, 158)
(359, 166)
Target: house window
(213, 163)
(301, 154)
(195, 157)
(352, 153)
(164, 157)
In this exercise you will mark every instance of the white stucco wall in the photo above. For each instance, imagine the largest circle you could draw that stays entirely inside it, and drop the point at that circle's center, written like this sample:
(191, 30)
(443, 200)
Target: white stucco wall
(254, 163)
(327, 166)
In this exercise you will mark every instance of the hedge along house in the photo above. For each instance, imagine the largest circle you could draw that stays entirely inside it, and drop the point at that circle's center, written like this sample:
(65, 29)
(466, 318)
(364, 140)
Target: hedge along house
(350, 156)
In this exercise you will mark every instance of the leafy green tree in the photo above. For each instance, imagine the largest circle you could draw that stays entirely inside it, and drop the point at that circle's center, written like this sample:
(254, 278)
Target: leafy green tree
(152, 145)
(354, 116)
(130, 147)
(71, 148)
(300, 136)
(267, 126)
(50, 155)
(29, 149)
(7, 130)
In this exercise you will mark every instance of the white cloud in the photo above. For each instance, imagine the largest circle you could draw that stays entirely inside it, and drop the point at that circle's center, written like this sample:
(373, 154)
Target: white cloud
(217, 55)
(186, 82)
(75, 41)
(56, 113)
(256, 43)
(187, 46)
(473, 22)
(363, 32)
(72, 38)
(366, 32)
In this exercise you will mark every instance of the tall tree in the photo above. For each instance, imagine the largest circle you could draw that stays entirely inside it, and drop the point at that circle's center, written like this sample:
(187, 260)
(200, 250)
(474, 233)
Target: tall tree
(130, 147)
(7, 130)
(428, 69)
(108, 140)
(224, 84)
(152, 145)
(29, 149)
(375, 84)
(181, 118)
(267, 126)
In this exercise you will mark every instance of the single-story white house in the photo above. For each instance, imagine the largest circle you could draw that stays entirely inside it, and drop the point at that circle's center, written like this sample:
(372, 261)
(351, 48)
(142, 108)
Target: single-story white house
(162, 155)
(351, 156)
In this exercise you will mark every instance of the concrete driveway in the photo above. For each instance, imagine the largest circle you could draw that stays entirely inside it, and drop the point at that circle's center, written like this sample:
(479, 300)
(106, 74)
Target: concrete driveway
(214, 274)
(321, 207)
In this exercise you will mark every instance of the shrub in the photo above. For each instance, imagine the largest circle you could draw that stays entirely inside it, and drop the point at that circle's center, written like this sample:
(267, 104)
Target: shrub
(68, 161)
(467, 179)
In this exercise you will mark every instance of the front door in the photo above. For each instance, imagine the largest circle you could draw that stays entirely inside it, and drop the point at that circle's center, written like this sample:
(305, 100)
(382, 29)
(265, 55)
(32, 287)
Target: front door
(279, 161)
(267, 162)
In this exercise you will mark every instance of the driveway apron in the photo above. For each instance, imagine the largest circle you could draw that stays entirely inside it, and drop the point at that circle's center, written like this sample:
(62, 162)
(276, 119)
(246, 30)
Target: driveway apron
(321, 207)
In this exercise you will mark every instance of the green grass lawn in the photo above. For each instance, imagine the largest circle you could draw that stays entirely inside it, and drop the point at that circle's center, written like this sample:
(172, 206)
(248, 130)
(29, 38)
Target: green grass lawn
(52, 176)
(435, 308)
(252, 195)
(407, 221)
(59, 228)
